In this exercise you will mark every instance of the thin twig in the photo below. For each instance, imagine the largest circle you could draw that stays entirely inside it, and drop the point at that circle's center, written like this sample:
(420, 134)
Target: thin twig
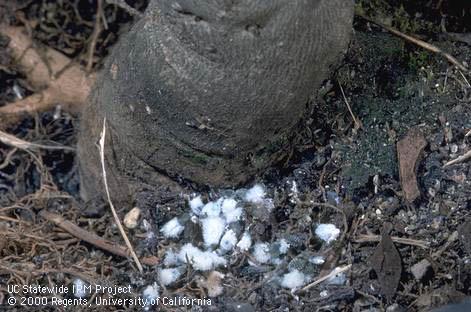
(91, 238)
(12, 219)
(333, 273)
(115, 215)
(355, 120)
(364, 294)
(7, 160)
(27, 272)
(13, 141)
(400, 240)
(321, 179)
(459, 159)
(466, 80)
(418, 42)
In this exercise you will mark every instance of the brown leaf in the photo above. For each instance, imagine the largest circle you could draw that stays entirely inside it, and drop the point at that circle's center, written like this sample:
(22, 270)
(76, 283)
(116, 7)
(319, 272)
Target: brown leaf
(409, 150)
(386, 262)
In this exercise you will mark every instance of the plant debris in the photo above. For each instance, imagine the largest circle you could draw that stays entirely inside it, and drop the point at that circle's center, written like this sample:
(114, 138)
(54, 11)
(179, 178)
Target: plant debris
(386, 262)
(409, 150)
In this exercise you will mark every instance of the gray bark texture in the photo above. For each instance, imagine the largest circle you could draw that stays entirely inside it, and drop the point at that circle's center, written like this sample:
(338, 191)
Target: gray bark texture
(208, 90)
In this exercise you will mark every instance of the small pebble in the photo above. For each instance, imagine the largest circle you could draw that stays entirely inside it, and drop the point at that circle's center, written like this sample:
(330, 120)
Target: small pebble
(132, 217)
(420, 269)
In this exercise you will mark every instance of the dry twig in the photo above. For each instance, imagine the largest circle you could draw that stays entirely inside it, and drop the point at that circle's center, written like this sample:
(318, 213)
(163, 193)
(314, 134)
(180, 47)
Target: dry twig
(333, 273)
(113, 210)
(355, 120)
(459, 159)
(418, 42)
(465, 80)
(13, 141)
(400, 240)
(92, 238)
(27, 272)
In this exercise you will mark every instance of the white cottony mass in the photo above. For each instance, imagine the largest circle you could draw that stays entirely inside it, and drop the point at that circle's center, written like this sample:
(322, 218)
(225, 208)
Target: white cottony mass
(172, 228)
(327, 232)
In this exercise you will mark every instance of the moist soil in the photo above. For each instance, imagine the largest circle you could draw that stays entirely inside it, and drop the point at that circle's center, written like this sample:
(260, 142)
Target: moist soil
(404, 256)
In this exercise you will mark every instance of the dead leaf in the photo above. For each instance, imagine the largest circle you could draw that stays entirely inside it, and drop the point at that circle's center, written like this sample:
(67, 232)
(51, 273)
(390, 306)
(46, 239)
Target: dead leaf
(409, 150)
(386, 262)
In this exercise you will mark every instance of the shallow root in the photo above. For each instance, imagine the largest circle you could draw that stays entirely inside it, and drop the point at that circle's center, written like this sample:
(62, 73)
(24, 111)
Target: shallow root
(59, 80)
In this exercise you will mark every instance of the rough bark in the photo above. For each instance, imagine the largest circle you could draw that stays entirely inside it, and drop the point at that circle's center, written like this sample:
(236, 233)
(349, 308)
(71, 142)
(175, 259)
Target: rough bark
(208, 90)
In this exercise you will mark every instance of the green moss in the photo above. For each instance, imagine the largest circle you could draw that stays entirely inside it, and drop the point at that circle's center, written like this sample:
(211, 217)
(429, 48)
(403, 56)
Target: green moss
(197, 158)
(374, 154)
(417, 59)
(395, 15)
(403, 22)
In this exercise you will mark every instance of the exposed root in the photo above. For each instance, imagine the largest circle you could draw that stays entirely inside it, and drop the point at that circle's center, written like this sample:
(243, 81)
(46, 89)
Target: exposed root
(126, 7)
(25, 145)
(57, 79)
(95, 34)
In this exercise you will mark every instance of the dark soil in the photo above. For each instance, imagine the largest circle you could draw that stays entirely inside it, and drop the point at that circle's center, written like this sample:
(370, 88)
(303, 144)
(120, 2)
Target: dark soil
(392, 87)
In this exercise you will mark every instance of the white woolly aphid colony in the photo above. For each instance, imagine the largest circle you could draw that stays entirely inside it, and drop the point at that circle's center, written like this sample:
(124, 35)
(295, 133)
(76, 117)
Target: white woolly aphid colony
(225, 231)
